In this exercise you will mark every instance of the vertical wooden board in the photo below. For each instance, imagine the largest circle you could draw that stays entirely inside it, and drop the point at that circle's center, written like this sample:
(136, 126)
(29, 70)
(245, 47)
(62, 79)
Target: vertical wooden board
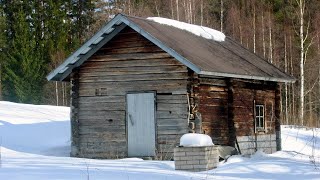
(141, 124)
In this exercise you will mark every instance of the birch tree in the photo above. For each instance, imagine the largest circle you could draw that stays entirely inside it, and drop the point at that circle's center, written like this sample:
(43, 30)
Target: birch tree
(302, 39)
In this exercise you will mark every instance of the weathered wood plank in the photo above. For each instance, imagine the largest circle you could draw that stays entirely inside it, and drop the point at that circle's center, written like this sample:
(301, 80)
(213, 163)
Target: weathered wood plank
(172, 123)
(131, 56)
(139, 49)
(102, 106)
(99, 99)
(125, 44)
(171, 114)
(104, 113)
(118, 74)
(97, 121)
(134, 70)
(121, 91)
(172, 107)
(137, 77)
(212, 81)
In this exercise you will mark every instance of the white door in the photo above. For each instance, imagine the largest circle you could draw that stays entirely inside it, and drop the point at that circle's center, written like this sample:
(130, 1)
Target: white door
(141, 124)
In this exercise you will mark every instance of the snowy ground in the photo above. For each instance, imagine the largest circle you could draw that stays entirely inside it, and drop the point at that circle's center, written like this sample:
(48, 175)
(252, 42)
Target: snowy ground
(35, 145)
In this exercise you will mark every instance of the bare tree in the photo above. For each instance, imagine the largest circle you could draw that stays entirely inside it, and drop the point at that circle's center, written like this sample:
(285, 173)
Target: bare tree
(270, 37)
(221, 15)
(177, 5)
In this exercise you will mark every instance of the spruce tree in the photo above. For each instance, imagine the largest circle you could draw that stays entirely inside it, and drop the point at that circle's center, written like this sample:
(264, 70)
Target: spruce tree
(25, 68)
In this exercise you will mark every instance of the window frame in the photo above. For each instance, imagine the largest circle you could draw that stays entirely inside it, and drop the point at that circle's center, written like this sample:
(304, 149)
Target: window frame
(259, 118)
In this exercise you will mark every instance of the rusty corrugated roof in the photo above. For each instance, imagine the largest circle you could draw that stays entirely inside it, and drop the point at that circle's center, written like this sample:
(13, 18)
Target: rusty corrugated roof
(206, 57)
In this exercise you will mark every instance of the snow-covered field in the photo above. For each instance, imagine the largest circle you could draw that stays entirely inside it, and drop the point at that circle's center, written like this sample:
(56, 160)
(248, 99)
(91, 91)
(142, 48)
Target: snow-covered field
(35, 145)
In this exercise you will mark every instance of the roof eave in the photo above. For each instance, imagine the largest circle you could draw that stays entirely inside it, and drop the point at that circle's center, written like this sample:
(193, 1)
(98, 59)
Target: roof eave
(275, 79)
(59, 74)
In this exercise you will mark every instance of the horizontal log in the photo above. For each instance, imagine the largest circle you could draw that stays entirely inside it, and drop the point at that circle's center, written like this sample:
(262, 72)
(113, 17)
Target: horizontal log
(172, 101)
(114, 75)
(103, 146)
(90, 129)
(172, 107)
(172, 122)
(101, 99)
(137, 77)
(172, 131)
(204, 88)
(126, 43)
(130, 56)
(134, 70)
(102, 106)
(141, 49)
(103, 139)
(105, 134)
(168, 114)
(98, 121)
(101, 113)
(137, 86)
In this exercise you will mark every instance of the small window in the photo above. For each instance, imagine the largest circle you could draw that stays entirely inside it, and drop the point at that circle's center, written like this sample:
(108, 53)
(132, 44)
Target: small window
(259, 124)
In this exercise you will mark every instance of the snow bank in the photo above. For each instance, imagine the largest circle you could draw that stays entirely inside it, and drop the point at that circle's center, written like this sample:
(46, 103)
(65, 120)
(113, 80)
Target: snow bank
(193, 139)
(202, 31)
(38, 129)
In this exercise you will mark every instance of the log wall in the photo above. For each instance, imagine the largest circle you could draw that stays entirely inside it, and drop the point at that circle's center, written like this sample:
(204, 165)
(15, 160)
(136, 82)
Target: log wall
(129, 63)
(227, 110)
(247, 94)
(212, 103)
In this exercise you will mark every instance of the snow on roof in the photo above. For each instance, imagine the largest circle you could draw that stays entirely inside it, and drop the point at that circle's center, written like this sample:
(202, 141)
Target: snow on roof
(194, 139)
(202, 31)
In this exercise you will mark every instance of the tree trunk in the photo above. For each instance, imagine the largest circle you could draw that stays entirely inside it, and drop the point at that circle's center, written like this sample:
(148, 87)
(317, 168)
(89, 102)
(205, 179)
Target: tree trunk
(63, 93)
(301, 36)
(311, 124)
(318, 37)
(221, 15)
(172, 15)
(57, 93)
(263, 38)
(177, 5)
(270, 40)
(286, 84)
(293, 104)
(254, 28)
(201, 13)
(156, 6)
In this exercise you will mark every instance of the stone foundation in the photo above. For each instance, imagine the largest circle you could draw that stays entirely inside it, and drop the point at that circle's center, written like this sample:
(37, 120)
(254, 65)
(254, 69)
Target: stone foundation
(196, 158)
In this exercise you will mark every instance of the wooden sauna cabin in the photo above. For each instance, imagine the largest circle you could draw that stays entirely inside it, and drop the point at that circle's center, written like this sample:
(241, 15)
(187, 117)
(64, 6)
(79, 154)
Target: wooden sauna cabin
(137, 86)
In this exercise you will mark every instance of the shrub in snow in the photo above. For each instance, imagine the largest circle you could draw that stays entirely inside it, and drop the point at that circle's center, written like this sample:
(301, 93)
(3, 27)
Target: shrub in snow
(202, 31)
(194, 139)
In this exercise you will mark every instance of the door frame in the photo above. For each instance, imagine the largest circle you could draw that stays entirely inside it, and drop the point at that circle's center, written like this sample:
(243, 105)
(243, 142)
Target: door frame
(155, 118)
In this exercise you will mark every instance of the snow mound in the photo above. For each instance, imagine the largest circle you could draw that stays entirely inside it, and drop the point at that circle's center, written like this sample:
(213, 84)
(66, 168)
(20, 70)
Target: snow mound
(259, 155)
(38, 129)
(193, 139)
(201, 31)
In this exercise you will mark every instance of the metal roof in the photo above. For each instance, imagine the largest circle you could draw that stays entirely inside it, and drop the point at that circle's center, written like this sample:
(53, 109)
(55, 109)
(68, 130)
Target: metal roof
(203, 56)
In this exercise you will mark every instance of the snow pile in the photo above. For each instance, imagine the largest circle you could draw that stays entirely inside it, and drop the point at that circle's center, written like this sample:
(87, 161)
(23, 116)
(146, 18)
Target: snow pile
(193, 139)
(201, 31)
(36, 129)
